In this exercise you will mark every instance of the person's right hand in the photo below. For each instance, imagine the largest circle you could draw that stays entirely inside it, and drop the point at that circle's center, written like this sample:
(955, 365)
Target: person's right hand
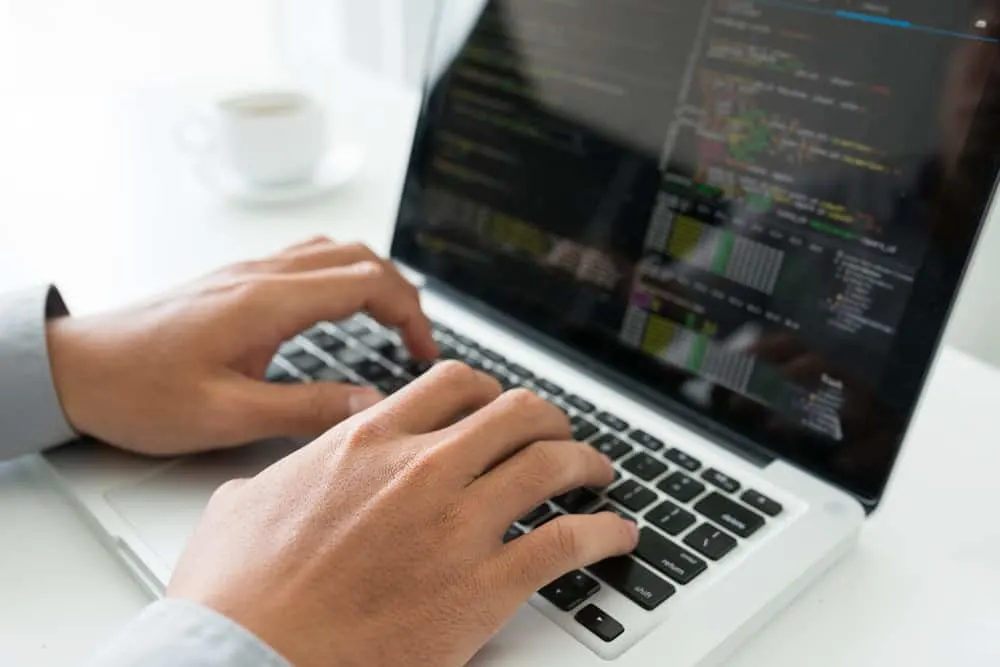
(380, 544)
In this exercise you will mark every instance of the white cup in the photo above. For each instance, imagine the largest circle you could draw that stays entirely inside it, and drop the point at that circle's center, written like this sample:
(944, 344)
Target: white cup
(268, 138)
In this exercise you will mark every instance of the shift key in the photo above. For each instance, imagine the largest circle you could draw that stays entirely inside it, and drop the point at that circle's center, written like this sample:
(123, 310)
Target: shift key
(680, 565)
(633, 581)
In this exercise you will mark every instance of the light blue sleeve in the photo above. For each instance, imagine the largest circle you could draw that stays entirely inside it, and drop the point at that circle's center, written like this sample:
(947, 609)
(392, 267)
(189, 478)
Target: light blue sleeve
(177, 633)
(31, 418)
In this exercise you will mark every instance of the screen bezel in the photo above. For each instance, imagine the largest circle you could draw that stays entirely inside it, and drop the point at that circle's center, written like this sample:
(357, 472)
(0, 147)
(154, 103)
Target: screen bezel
(927, 314)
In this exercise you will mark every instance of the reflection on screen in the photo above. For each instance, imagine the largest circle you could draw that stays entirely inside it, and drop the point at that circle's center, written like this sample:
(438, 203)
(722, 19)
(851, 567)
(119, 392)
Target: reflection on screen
(748, 193)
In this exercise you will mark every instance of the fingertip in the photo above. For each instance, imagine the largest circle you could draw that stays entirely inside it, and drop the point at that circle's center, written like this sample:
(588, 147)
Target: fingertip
(632, 530)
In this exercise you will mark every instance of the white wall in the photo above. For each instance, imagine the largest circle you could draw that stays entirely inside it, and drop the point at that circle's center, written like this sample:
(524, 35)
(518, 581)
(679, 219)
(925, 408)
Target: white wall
(390, 36)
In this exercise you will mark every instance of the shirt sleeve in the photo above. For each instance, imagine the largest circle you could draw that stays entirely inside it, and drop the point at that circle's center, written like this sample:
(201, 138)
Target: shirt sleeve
(31, 418)
(177, 633)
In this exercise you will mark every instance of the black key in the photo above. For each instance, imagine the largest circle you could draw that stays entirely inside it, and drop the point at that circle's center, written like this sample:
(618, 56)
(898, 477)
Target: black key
(570, 591)
(576, 500)
(351, 356)
(325, 341)
(286, 379)
(275, 373)
(329, 374)
(668, 558)
(465, 340)
(611, 421)
(372, 370)
(761, 502)
(644, 466)
(391, 385)
(689, 463)
(476, 363)
(582, 429)
(611, 447)
(598, 622)
(670, 518)
(632, 495)
(729, 514)
(633, 581)
(559, 404)
(491, 355)
(354, 327)
(378, 343)
(709, 541)
(550, 388)
(437, 326)
(506, 382)
(306, 362)
(448, 352)
(608, 507)
(512, 534)
(584, 582)
(646, 440)
(520, 371)
(721, 480)
(579, 404)
(681, 487)
(535, 515)
(551, 517)
(418, 368)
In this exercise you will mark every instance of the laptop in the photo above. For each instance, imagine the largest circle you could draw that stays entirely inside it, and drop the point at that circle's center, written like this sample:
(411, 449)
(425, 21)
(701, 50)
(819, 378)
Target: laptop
(724, 237)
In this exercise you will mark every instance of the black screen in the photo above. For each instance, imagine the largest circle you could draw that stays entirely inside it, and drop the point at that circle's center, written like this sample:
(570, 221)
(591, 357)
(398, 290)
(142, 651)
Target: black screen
(758, 210)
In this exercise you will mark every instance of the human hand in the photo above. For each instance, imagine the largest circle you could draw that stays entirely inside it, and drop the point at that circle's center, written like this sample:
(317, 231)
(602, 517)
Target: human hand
(184, 372)
(380, 544)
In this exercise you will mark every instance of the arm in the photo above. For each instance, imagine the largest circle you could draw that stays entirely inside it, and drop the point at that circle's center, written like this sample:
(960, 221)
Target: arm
(31, 417)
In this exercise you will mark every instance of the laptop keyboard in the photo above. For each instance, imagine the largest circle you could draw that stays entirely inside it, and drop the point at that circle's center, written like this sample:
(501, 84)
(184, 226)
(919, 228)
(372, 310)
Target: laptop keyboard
(690, 517)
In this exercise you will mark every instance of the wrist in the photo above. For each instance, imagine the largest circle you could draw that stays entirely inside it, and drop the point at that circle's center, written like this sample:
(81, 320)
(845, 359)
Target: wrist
(68, 367)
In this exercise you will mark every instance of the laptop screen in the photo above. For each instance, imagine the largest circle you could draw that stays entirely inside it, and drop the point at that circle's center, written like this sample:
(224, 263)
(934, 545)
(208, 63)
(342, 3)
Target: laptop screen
(756, 211)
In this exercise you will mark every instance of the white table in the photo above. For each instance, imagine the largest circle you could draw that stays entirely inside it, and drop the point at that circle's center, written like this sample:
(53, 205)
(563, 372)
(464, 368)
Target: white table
(921, 588)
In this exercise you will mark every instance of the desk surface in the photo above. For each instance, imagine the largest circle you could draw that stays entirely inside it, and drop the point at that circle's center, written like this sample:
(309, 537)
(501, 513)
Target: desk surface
(921, 587)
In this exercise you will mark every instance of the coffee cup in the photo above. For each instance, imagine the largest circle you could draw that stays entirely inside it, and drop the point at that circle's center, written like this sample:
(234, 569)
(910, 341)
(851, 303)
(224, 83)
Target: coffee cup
(270, 138)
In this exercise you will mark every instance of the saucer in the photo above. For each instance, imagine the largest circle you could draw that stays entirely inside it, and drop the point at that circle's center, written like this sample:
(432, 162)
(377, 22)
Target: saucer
(338, 167)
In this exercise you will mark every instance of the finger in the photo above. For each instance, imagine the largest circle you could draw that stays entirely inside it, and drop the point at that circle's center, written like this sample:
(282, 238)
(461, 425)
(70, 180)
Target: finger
(297, 301)
(261, 410)
(319, 255)
(538, 472)
(778, 348)
(804, 370)
(514, 420)
(563, 545)
(319, 240)
(437, 399)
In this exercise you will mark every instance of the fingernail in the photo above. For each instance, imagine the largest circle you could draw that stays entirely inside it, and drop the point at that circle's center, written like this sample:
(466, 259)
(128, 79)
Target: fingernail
(633, 528)
(362, 399)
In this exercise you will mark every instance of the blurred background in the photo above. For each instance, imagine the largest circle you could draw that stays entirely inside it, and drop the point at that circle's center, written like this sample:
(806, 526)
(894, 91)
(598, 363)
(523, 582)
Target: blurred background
(67, 64)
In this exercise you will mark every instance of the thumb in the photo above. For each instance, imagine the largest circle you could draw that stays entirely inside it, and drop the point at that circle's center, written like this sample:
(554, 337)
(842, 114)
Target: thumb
(304, 410)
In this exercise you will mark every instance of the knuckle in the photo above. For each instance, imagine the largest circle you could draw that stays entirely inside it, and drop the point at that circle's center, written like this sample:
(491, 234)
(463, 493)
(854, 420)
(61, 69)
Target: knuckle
(548, 460)
(360, 250)
(454, 372)
(364, 432)
(319, 239)
(227, 491)
(524, 401)
(427, 466)
(372, 270)
(564, 540)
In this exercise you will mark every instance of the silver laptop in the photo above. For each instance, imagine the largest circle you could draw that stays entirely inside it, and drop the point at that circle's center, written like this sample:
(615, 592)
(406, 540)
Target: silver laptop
(724, 237)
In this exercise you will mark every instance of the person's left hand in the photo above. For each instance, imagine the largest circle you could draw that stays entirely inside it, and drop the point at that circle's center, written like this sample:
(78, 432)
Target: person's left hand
(185, 371)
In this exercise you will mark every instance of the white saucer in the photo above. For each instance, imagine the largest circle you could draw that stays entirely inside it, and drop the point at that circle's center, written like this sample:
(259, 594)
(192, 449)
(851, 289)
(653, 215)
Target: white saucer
(338, 167)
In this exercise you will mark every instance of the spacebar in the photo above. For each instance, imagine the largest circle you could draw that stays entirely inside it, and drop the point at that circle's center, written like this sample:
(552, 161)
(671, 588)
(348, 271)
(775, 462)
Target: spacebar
(633, 581)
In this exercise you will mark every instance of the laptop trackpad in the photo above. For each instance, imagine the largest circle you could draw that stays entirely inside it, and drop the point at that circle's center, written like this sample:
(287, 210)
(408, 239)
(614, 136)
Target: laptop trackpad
(165, 507)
